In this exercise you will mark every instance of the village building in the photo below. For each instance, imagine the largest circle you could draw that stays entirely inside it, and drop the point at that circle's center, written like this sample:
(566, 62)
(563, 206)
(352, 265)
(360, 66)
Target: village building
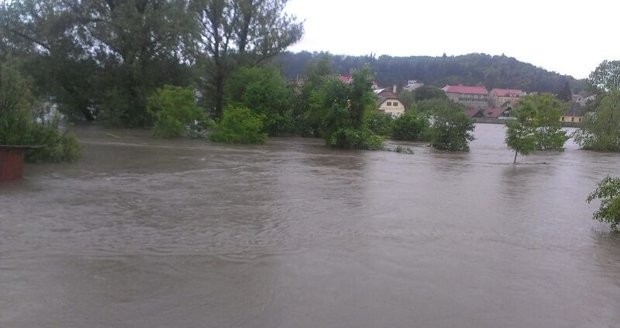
(505, 98)
(389, 103)
(574, 114)
(412, 85)
(470, 96)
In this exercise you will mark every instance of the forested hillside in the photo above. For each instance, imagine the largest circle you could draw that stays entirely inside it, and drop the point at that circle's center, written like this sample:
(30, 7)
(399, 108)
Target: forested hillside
(471, 69)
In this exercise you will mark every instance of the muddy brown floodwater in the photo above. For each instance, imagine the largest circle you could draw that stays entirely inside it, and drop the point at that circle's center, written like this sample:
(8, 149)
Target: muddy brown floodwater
(148, 233)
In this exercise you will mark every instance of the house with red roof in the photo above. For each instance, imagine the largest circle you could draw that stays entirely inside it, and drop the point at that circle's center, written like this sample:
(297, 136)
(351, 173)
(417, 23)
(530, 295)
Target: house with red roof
(470, 96)
(505, 97)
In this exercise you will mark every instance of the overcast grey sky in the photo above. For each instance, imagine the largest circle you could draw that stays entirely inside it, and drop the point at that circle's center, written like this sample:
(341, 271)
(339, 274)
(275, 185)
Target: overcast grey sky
(568, 37)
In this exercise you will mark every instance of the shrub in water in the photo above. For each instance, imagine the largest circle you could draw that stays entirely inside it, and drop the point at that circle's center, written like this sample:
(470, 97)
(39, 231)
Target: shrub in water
(175, 112)
(238, 125)
(608, 191)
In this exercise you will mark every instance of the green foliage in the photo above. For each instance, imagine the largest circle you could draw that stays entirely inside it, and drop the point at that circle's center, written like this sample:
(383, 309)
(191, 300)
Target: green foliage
(566, 94)
(471, 69)
(15, 103)
(341, 110)
(538, 125)
(107, 56)
(18, 128)
(239, 125)
(403, 150)
(608, 191)
(451, 128)
(606, 77)
(350, 138)
(266, 92)
(521, 134)
(380, 123)
(407, 98)
(546, 110)
(54, 147)
(429, 106)
(175, 111)
(306, 114)
(427, 92)
(411, 126)
(600, 130)
(237, 33)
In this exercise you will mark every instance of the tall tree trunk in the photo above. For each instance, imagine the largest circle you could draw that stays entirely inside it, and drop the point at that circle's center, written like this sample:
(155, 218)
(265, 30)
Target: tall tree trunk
(515, 160)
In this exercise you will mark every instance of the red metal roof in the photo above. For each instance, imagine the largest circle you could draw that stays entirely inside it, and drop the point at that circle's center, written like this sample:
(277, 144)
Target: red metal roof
(345, 79)
(464, 89)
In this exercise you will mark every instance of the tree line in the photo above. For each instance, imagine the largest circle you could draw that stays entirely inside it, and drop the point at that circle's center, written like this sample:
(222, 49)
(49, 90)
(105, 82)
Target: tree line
(472, 69)
(103, 59)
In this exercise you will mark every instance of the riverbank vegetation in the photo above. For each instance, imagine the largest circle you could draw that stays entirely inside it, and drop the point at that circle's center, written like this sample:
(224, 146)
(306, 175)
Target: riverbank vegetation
(19, 125)
(600, 130)
(537, 125)
(608, 192)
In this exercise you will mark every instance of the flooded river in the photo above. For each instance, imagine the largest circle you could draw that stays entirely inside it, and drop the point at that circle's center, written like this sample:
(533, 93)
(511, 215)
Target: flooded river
(148, 233)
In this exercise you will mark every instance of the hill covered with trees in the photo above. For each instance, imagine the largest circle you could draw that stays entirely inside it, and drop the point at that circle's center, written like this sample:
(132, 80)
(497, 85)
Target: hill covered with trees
(471, 69)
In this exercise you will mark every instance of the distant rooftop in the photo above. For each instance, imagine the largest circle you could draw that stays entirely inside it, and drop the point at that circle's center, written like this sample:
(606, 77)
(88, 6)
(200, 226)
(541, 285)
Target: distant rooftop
(464, 89)
(508, 92)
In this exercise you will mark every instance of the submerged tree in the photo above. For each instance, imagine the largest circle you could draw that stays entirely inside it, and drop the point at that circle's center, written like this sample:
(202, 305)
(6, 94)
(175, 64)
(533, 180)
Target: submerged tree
(521, 134)
(100, 54)
(265, 91)
(345, 107)
(608, 191)
(451, 129)
(233, 33)
(547, 110)
(600, 130)
(537, 125)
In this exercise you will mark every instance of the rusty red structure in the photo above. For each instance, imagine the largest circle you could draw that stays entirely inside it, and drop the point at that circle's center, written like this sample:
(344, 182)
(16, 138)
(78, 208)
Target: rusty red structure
(11, 162)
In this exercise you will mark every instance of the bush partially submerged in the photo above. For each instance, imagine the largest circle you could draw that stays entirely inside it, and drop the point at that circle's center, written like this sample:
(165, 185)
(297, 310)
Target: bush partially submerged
(17, 127)
(176, 113)
(608, 191)
(350, 138)
(411, 126)
(239, 125)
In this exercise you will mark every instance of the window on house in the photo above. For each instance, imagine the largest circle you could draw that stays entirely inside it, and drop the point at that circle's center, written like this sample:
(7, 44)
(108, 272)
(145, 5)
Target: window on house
(395, 103)
(389, 103)
(572, 119)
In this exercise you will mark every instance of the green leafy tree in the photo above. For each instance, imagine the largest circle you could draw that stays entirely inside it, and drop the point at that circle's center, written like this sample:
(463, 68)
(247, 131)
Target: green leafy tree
(547, 111)
(18, 127)
(306, 116)
(15, 105)
(407, 98)
(411, 126)
(380, 123)
(451, 129)
(345, 106)
(566, 94)
(521, 133)
(234, 33)
(606, 77)
(428, 106)
(175, 111)
(600, 130)
(426, 92)
(266, 92)
(608, 191)
(238, 125)
(538, 125)
(101, 54)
